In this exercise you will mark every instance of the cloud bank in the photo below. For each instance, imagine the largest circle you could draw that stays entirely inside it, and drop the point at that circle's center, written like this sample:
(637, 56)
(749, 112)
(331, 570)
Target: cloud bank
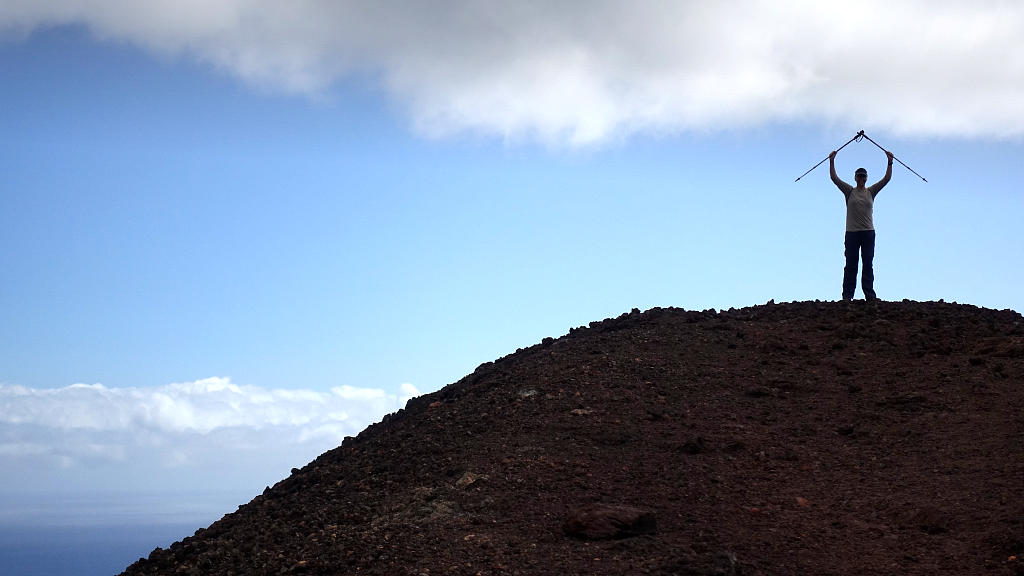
(209, 433)
(580, 73)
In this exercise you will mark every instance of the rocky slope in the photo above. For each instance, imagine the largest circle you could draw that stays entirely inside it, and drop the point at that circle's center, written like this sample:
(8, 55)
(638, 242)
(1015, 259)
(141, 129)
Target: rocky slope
(804, 438)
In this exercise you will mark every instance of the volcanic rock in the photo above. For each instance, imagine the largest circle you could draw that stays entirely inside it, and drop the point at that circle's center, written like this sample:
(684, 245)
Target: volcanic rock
(607, 521)
(826, 438)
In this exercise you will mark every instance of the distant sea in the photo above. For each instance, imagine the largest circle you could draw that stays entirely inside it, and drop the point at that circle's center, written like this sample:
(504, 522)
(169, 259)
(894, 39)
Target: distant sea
(99, 534)
(81, 551)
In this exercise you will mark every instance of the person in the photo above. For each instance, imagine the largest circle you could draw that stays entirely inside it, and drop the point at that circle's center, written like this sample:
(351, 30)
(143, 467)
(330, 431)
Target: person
(860, 227)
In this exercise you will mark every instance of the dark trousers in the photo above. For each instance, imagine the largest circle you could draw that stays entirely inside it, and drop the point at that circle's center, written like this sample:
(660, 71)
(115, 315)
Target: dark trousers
(862, 242)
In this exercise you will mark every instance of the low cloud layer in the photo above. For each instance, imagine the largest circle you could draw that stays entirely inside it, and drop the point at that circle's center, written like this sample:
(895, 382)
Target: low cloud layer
(211, 433)
(580, 73)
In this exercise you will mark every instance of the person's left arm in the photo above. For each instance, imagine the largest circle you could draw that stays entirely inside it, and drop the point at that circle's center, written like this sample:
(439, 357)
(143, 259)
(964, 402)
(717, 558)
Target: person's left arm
(877, 186)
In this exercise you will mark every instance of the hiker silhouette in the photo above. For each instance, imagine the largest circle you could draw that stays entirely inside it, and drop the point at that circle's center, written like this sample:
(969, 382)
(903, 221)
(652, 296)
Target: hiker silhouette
(860, 227)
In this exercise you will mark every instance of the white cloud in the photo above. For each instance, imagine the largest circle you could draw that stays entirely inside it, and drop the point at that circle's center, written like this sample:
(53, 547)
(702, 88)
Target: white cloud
(201, 406)
(577, 73)
(210, 432)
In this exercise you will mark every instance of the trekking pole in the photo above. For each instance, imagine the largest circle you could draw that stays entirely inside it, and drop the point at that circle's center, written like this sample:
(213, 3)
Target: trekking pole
(858, 136)
(895, 158)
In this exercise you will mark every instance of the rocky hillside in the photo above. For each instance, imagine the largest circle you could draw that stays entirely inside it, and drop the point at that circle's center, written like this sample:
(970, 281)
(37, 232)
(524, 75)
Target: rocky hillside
(803, 438)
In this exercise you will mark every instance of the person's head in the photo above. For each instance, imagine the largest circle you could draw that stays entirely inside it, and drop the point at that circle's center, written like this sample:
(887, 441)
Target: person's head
(861, 175)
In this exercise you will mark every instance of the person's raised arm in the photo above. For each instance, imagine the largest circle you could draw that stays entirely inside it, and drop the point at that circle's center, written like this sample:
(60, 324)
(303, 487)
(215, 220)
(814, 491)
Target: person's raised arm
(835, 177)
(877, 186)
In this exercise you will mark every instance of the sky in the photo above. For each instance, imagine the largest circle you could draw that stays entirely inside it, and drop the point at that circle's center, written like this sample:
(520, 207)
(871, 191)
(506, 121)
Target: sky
(233, 232)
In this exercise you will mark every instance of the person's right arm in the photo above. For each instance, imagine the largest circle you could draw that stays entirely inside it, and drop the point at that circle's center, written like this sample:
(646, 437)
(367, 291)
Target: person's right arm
(843, 186)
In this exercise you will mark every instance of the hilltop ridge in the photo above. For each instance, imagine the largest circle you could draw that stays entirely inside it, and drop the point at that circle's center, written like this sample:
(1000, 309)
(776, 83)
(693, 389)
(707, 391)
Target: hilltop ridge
(795, 438)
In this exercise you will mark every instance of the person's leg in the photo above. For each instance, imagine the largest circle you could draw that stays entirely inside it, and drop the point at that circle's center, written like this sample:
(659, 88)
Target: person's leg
(867, 250)
(850, 272)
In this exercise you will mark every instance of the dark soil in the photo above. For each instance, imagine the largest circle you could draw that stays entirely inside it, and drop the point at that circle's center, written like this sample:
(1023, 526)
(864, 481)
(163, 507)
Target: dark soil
(806, 438)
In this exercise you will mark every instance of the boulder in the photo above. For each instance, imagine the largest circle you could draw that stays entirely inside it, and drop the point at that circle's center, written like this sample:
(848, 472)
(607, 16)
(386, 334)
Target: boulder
(608, 522)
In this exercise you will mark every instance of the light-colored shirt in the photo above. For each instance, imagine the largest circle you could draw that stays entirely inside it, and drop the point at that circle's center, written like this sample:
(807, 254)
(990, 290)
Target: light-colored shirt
(860, 204)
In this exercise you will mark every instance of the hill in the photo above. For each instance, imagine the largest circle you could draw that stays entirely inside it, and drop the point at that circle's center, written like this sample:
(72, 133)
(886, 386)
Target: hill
(801, 438)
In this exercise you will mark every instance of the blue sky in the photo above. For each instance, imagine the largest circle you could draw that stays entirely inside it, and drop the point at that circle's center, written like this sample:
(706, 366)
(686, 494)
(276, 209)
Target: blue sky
(256, 228)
